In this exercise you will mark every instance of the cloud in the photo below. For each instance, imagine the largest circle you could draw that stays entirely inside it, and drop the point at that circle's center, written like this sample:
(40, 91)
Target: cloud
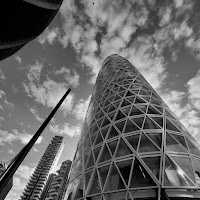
(49, 92)
(10, 151)
(194, 90)
(18, 184)
(71, 76)
(15, 135)
(2, 93)
(35, 113)
(18, 59)
(2, 76)
(49, 35)
(25, 172)
(80, 108)
(65, 129)
(35, 150)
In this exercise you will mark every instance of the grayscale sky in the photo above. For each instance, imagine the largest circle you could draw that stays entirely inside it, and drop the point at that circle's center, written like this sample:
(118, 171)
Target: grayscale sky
(160, 38)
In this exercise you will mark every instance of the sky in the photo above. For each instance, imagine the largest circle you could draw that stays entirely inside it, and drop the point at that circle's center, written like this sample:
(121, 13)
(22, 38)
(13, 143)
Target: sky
(160, 38)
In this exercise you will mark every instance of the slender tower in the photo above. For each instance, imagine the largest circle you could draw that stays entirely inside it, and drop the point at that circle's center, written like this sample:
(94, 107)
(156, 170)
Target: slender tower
(46, 165)
(132, 146)
(56, 187)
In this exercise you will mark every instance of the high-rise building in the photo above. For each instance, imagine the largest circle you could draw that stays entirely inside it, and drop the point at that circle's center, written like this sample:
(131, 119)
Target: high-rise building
(132, 146)
(22, 21)
(44, 168)
(57, 186)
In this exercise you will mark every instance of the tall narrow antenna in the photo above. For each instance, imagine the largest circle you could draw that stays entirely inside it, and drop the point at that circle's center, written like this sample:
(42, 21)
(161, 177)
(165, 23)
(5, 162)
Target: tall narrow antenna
(8, 174)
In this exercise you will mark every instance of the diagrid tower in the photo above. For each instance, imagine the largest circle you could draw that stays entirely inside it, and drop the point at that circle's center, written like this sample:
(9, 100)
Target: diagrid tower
(132, 146)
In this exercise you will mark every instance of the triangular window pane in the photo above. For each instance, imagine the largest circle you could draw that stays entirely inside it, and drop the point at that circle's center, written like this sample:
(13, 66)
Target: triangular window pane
(174, 175)
(158, 120)
(156, 137)
(135, 111)
(125, 169)
(98, 139)
(106, 108)
(90, 161)
(86, 158)
(96, 152)
(112, 146)
(146, 145)
(116, 104)
(87, 178)
(120, 125)
(154, 165)
(79, 192)
(185, 164)
(131, 99)
(125, 103)
(146, 98)
(138, 121)
(153, 101)
(129, 93)
(152, 110)
(114, 181)
(99, 123)
(101, 114)
(197, 170)
(150, 124)
(111, 116)
(130, 127)
(113, 133)
(140, 177)
(122, 149)
(142, 108)
(94, 184)
(103, 172)
(104, 132)
(133, 140)
(139, 100)
(173, 145)
(105, 154)
(142, 93)
(120, 115)
(168, 114)
(177, 124)
(180, 139)
(193, 148)
(117, 97)
(112, 107)
(126, 110)
(105, 122)
(170, 126)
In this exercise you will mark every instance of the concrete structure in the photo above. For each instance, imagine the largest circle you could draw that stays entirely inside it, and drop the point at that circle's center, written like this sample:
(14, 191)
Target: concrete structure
(132, 146)
(55, 189)
(45, 167)
(22, 21)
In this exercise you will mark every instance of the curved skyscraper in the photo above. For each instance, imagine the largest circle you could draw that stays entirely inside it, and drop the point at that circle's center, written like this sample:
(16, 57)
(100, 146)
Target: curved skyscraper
(132, 146)
(22, 21)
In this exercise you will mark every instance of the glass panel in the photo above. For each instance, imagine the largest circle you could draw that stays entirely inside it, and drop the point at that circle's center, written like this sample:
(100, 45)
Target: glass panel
(174, 175)
(126, 110)
(168, 114)
(138, 121)
(116, 196)
(105, 122)
(135, 111)
(104, 132)
(170, 126)
(146, 145)
(87, 178)
(192, 147)
(113, 133)
(114, 181)
(98, 139)
(140, 177)
(156, 137)
(180, 139)
(123, 149)
(120, 115)
(131, 99)
(125, 103)
(197, 170)
(112, 146)
(139, 100)
(103, 172)
(154, 165)
(173, 145)
(142, 108)
(95, 184)
(79, 192)
(125, 168)
(105, 154)
(133, 140)
(93, 138)
(90, 161)
(96, 152)
(112, 107)
(158, 120)
(129, 93)
(130, 127)
(152, 110)
(149, 124)
(120, 125)
(111, 116)
(186, 165)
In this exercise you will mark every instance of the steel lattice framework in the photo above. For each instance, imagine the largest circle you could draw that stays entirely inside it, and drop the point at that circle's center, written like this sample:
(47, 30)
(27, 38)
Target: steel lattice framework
(132, 146)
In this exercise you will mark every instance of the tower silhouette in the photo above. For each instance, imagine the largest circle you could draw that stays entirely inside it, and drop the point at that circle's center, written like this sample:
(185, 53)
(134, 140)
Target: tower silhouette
(132, 146)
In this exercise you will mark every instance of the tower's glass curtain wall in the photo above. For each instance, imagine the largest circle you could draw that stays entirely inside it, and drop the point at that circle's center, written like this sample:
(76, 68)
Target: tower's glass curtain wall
(132, 146)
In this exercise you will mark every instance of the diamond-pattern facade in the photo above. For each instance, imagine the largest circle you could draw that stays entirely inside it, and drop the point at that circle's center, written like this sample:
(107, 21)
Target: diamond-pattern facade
(132, 146)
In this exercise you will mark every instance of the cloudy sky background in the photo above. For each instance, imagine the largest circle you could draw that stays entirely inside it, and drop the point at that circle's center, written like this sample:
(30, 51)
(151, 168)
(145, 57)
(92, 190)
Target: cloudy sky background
(160, 38)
